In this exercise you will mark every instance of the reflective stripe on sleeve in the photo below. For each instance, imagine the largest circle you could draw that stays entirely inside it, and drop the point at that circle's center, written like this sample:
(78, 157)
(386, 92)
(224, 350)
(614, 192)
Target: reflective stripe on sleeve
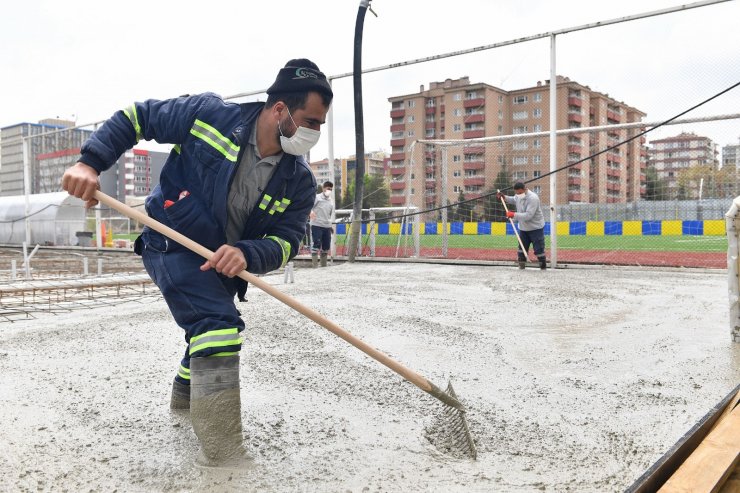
(284, 246)
(213, 137)
(130, 113)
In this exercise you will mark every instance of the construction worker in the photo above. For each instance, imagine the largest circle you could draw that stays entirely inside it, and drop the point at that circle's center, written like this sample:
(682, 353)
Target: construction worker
(531, 223)
(321, 231)
(236, 183)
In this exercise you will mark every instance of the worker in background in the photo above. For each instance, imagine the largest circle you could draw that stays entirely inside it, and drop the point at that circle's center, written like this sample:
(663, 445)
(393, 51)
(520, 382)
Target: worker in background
(321, 226)
(531, 223)
(237, 183)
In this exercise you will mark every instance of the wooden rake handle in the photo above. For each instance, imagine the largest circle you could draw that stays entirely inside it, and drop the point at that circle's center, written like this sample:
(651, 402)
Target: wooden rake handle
(379, 356)
(519, 238)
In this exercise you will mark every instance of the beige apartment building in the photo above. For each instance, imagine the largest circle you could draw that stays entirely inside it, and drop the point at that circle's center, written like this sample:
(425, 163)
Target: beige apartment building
(457, 109)
(672, 155)
(344, 169)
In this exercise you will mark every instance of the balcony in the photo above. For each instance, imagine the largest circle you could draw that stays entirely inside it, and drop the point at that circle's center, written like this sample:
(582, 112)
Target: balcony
(613, 186)
(475, 118)
(474, 134)
(430, 110)
(474, 103)
(574, 180)
(398, 142)
(398, 127)
(470, 181)
(397, 170)
(398, 113)
(613, 172)
(398, 156)
(575, 148)
(474, 165)
(398, 199)
(572, 100)
(473, 195)
(612, 116)
(430, 125)
(574, 196)
(398, 185)
(430, 183)
(474, 150)
(575, 117)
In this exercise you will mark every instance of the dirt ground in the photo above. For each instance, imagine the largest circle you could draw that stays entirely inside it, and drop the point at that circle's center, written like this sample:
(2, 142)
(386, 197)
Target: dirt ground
(576, 379)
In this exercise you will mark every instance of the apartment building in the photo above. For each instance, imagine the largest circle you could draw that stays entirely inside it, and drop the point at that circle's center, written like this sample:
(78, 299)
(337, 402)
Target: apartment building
(731, 156)
(54, 140)
(457, 109)
(376, 163)
(672, 155)
(54, 145)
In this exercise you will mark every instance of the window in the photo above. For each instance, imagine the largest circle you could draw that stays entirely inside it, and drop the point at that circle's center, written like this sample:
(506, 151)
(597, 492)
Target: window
(500, 98)
(410, 133)
(456, 127)
(520, 130)
(537, 143)
(457, 96)
(537, 189)
(536, 174)
(456, 158)
(519, 160)
(410, 119)
(537, 97)
(519, 175)
(397, 135)
(410, 103)
(412, 191)
(457, 189)
(519, 99)
(536, 159)
(500, 115)
(537, 128)
(500, 129)
(456, 173)
(537, 113)
(430, 132)
(519, 115)
(457, 112)
(519, 145)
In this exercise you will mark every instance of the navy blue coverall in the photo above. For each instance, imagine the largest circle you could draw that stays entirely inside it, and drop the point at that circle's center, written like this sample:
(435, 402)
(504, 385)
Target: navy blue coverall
(207, 134)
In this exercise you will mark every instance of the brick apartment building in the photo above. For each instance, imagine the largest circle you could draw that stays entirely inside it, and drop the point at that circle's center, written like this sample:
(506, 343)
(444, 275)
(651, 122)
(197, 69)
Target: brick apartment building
(457, 109)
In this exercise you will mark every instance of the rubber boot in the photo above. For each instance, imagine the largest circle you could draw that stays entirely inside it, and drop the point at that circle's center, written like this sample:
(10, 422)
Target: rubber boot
(314, 260)
(323, 259)
(180, 396)
(215, 411)
(543, 263)
(522, 265)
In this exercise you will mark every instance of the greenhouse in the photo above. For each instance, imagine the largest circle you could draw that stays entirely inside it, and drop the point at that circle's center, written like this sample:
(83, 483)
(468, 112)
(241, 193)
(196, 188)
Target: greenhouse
(55, 219)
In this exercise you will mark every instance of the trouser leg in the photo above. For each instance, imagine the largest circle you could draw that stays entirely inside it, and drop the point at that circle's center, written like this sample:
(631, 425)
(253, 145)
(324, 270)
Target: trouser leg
(202, 304)
(538, 241)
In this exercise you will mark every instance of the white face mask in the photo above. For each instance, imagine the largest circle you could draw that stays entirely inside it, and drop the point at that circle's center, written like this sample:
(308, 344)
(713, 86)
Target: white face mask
(327, 193)
(302, 140)
(520, 195)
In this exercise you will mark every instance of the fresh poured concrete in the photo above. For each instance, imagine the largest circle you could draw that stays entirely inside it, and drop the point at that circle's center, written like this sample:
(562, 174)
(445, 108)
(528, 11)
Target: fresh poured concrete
(575, 380)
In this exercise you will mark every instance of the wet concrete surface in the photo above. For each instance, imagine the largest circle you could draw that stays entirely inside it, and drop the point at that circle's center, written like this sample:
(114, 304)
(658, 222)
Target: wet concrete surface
(575, 380)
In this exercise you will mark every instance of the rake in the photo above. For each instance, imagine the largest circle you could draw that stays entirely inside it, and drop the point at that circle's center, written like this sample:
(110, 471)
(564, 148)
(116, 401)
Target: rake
(448, 398)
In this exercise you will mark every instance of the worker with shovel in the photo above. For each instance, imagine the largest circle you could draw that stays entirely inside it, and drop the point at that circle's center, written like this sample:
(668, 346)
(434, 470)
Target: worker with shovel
(237, 183)
(531, 223)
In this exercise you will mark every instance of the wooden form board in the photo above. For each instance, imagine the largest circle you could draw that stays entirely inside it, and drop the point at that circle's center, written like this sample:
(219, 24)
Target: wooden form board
(714, 460)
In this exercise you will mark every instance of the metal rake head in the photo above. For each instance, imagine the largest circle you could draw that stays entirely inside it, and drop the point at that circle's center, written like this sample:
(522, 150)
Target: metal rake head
(460, 438)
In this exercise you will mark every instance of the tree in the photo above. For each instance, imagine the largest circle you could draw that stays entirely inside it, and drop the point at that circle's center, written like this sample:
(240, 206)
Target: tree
(655, 188)
(464, 210)
(377, 193)
(492, 209)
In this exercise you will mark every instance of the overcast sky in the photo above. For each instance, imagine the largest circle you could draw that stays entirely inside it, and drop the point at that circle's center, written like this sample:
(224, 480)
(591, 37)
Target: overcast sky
(86, 59)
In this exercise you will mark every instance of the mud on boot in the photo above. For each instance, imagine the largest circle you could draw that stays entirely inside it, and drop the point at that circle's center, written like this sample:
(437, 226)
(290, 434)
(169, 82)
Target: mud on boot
(215, 412)
(323, 259)
(314, 260)
(180, 399)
